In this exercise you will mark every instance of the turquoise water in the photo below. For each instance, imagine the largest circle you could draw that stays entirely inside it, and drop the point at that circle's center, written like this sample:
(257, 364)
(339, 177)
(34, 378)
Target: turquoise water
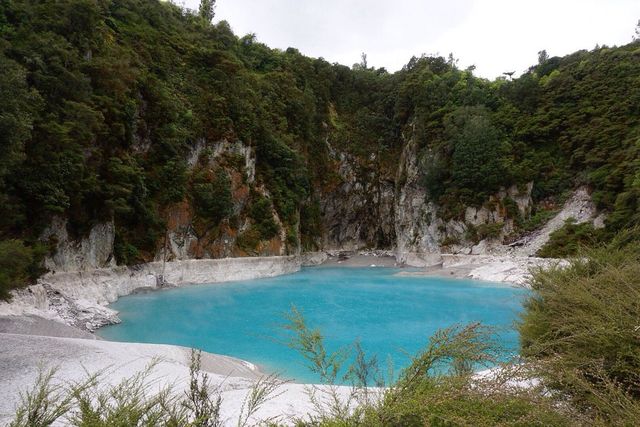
(393, 316)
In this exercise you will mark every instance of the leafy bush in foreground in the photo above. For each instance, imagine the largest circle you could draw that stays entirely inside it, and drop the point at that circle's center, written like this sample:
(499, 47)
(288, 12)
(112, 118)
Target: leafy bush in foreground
(581, 327)
(439, 388)
(133, 402)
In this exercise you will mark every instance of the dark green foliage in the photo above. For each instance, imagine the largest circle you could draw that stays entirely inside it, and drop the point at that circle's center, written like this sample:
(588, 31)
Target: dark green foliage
(283, 171)
(480, 232)
(102, 101)
(207, 10)
(19, 265)
(261, 214)
(310, 224)
(212, 196)
(478, 159)
(567, 241)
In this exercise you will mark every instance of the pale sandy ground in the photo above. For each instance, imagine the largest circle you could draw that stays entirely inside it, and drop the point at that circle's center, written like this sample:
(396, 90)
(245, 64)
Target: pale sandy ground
(22, 356)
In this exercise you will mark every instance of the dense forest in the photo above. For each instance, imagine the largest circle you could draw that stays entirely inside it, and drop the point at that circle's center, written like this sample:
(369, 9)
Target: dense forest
(103, 101)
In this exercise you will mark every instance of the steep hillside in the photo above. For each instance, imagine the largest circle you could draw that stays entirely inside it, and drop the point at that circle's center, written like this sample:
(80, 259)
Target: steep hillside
(132, 130)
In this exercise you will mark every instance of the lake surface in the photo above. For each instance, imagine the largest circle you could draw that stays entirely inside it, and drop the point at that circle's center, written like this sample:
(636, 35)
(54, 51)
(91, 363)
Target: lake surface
(392, 316)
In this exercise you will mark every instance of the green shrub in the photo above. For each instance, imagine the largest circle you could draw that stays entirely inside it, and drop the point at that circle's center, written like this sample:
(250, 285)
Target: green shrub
(512, 209)
(437, 389)
(310, 224)
(568, 240)
(581, 326)
(133, 402)
(450, 240)
(19, 265)
(249, 240)
(537, 220)
(490, 230)
(262, 214)
(480, 232)
(212, 197)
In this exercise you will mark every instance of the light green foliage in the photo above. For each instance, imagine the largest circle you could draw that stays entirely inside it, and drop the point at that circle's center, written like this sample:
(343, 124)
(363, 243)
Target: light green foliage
(134, 402)
(580, 326)
(438, 388)
(45, 403)
(310, 344)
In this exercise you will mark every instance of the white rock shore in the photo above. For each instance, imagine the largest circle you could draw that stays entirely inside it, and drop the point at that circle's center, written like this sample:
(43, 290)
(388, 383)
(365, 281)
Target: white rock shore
(23, 356)
(79, 298)
(490, 268)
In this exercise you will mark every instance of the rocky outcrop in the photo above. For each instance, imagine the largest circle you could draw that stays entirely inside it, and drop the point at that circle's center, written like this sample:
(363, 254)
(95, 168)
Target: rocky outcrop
(187, 238)
(579, 207)
(362, 207)
(422, 234)
(79, 298)
(90, 252)
(417, 225)
(357, 210)
(223, 148)
(490, 268)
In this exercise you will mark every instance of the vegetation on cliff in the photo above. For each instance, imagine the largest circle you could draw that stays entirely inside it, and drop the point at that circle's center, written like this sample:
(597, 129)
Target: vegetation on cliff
(102, 102)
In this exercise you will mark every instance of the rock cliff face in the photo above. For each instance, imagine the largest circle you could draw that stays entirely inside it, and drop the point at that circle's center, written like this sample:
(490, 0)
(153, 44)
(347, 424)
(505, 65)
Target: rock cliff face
(187, 238)
(365, 206)
(92, 251)
(358, 211)
(422, 235)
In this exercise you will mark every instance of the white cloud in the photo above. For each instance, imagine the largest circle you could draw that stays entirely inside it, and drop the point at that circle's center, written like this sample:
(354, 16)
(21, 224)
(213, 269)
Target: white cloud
(494, 35)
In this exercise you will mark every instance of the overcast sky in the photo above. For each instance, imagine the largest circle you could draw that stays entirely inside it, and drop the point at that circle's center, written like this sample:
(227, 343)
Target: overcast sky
(493, 35)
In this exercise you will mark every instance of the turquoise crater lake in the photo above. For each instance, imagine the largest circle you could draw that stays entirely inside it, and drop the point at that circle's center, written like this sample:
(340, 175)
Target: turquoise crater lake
(393, 316)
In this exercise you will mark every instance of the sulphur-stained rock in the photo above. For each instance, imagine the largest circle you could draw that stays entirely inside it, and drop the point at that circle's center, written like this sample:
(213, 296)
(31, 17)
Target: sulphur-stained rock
(189, 237)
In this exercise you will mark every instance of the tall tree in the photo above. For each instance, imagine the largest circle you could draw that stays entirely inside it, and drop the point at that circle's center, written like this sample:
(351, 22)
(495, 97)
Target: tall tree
(207, 10)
